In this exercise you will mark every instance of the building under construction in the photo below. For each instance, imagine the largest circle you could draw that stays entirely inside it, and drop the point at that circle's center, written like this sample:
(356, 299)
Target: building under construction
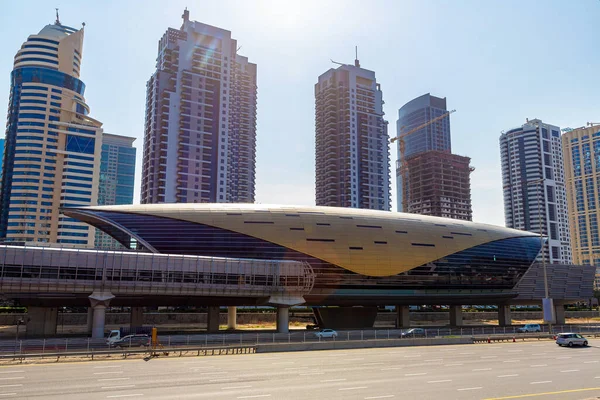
(437, 183)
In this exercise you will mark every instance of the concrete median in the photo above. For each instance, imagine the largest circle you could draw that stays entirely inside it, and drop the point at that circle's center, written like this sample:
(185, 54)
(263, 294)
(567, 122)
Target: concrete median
(358, 344)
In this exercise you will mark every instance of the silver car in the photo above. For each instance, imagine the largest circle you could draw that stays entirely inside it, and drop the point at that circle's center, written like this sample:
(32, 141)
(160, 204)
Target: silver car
(571, 339)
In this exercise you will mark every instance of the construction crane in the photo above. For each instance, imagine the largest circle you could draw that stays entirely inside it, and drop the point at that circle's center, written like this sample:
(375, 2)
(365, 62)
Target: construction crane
(402, 146)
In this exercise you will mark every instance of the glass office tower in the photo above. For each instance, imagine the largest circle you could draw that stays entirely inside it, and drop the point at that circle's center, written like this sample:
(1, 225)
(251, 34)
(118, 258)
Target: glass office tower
(117, 176)
(52, 145)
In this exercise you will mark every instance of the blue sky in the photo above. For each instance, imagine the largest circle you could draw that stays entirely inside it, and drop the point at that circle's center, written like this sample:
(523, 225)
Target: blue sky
(497, 62)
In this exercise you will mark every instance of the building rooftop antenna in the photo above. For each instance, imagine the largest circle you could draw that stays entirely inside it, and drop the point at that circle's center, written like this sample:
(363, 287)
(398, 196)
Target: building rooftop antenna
(57, 22)
(356, 62)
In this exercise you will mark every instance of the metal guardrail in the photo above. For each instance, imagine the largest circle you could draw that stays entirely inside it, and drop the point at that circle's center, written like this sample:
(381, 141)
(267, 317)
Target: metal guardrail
(152, 352)
(253, 338)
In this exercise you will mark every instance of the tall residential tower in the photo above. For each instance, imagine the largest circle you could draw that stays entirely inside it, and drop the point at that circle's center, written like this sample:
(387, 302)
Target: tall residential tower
(52, 151)
(581, 149)
(533, 181)
(200, 131)
(352, 144)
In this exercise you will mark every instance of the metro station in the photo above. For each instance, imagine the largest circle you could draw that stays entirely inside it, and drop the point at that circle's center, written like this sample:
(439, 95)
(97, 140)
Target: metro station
(342, 262)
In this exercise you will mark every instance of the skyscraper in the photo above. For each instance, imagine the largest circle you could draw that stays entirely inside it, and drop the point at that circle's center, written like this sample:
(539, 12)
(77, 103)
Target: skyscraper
(200, 131)
(52, 144)
(117, 176)
(435, 136)
(533, 181)
(581, 148)
(1, 157)
(352, 144)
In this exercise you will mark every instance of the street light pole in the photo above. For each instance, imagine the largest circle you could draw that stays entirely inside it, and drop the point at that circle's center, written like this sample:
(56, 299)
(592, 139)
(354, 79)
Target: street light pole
(546, 302)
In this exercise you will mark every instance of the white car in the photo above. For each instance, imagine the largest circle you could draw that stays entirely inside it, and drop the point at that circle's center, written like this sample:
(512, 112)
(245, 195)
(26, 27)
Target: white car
(570, 339)
(326, 333)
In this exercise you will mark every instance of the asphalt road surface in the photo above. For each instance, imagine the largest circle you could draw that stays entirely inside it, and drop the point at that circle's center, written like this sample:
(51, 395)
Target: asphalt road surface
(480, 371)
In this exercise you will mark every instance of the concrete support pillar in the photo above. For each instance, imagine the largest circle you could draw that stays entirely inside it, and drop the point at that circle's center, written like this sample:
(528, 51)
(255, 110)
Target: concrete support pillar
(283, 319)
(137, 317)
(99, 301)
(456, 316)
(402, 317)
(90, 320)
(559, 312)
(212, 319)
(41, 321)
(504, 317)
(232, 317)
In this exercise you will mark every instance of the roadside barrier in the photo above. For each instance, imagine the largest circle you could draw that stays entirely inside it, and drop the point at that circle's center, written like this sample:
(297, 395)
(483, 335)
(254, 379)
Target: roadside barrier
(197, 351)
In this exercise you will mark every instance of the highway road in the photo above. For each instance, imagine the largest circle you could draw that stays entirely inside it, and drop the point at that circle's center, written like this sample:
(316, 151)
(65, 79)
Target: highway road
(479, 371)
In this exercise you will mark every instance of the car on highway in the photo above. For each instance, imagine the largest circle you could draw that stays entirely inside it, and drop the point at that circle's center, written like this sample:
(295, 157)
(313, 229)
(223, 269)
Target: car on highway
(529, 328)
(570, 339)
(326, 333)
(413, 332)
(133, 341)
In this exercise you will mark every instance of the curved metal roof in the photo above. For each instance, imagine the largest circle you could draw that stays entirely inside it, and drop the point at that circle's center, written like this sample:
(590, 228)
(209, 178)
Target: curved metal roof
(368, 242)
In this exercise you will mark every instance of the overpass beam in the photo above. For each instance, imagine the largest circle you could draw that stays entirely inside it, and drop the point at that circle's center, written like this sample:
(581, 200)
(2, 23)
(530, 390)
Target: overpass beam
(212, 319)
(283, 319)
(231, 317)
(136, 317)
(456, 318)
(42, 321)
(559, 313)
(504, 316)
(402, 316)
(99, 301)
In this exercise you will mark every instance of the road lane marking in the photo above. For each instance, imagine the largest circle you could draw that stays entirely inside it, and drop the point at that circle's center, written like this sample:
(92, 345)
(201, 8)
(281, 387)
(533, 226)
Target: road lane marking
(464, 354)
(391, 368)
(118, 387)
(522, 396)
(223, 380)
(414, 355)
(373, 363)
(354, 388)
(108, 373)
(236, 387)
(570, 370)
(254, 396)
(124, 395)
(12, 377)
(471, 388)
(108, 366)
(562, 358)
(313, 373)
(15, 385)
(514, 351)
(509, 361)
(112, 379)
(482, 369)
(283, 362)
(539, 354)
(213, 373)
(353, 359)
(538, 365)
(453, 365)
(435, 360)
(590, 362)
(294, 368)
(334, 380)
(440, 381)
(539, 382)
(506, 376)
(7, 394)
(416, 374)
(11, 372)
(489, 356)
(387, 396)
